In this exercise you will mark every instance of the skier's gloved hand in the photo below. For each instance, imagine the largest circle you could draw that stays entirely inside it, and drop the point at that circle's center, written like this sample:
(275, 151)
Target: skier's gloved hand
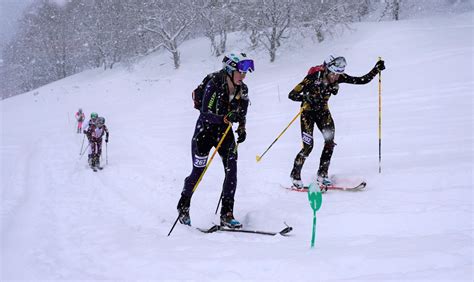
(232, 117)
(380, 65)
(107, 140)
(242, 134)
(310, 99)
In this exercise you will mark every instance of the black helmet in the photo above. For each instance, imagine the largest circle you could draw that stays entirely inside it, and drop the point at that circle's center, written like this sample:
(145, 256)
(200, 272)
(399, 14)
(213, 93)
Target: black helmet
(100, 121)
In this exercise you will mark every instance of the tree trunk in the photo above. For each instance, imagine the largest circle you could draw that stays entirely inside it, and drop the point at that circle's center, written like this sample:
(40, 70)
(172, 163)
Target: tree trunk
(396, 9)
(176, 59)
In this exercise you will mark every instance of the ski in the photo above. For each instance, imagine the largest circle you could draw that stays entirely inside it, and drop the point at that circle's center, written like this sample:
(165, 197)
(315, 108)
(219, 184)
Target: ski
(358, 187)
(94, 169)
(218, 228)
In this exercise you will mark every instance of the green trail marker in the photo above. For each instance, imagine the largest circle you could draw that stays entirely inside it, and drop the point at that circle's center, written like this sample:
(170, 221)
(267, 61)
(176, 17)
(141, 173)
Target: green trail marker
(315, 200)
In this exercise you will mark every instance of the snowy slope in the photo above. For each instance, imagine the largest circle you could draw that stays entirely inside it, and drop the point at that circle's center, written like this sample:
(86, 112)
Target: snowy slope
(60, 220)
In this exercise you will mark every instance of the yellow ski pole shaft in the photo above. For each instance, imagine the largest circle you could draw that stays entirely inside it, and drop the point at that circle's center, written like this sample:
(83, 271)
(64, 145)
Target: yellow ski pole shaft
(213, 154)
(380, 120)
(204, 171)
(260, 157)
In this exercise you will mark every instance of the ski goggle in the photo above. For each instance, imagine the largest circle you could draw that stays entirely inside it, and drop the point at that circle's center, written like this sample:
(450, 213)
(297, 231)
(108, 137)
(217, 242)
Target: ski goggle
(245, 66)
(337, 65)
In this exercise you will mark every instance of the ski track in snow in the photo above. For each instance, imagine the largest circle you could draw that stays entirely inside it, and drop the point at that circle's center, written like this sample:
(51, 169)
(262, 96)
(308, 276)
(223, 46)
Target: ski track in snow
(61, 220)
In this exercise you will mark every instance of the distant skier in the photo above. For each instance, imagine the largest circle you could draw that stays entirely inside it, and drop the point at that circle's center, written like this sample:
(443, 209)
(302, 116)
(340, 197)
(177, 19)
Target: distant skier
(91, 121)
(314, 92)
(94, 133)
(80, 118)
(87, 126)
(224, 100)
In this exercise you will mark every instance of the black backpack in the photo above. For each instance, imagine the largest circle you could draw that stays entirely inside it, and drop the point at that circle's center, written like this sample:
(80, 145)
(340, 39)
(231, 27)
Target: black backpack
(198, 93)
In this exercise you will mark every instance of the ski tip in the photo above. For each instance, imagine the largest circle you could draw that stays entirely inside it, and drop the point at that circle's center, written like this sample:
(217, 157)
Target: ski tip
(286, 230)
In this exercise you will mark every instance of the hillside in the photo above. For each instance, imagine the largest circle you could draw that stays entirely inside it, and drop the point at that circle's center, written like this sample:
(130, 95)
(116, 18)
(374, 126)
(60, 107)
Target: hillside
(60, 220)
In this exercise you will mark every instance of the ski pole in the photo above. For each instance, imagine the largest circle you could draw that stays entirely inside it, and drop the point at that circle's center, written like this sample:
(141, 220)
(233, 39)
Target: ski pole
(220, 198)
(82, 146)
(82, 154)
(205, 169)
(106, 154)
(299, 113)
(380, 120)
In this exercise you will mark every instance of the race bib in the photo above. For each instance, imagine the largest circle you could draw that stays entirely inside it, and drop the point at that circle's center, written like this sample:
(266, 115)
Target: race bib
(307, 139)
(199, 161)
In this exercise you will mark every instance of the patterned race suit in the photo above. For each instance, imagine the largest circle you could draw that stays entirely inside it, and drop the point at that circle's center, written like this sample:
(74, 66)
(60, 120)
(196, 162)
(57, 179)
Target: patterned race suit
(217, 102)
(94, 134)
(314, 92)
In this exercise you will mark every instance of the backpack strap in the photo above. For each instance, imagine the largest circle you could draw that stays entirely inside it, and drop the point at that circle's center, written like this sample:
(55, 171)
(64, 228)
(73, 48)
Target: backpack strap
(316, 69)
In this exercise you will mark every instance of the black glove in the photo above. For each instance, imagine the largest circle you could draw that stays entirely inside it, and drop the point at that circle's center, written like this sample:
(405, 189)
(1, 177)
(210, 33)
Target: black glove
(380, 65)
(310, 99)
(106, 140)
(233, 117)
(242, 134)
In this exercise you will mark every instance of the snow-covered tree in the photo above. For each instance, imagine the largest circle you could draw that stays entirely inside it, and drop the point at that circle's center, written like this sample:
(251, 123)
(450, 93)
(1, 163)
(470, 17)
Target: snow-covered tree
(170, 21)
(216, 20)
(267, 20)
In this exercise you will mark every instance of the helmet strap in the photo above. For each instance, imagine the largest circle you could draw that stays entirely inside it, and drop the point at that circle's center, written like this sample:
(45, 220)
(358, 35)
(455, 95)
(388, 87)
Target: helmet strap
(231, 76)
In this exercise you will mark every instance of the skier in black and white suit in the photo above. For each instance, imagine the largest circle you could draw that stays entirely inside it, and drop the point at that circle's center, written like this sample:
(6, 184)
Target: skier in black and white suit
(314, 92)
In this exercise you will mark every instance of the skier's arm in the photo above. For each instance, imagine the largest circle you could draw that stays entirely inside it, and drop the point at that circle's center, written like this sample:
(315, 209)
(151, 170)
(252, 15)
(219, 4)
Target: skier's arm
(209, 104)
(106, 134)
(345, 78)
(88, 132)
(244, 104)
(86, 127)
(297, 94)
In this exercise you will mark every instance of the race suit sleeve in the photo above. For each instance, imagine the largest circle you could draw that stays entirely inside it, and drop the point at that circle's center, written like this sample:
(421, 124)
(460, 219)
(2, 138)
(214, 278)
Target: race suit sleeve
(345, 78)
(297, 93)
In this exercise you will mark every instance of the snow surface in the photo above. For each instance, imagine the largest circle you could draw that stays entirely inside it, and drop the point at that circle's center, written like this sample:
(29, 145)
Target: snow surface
(60, 220)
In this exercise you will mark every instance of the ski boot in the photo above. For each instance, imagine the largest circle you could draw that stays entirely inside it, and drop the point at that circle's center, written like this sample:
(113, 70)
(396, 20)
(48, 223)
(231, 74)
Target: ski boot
(227, 216)
(183, 216)
(297, 183)
(228, 220)
(323, 182)
(183, 210)
(296, 179)
(97, 162)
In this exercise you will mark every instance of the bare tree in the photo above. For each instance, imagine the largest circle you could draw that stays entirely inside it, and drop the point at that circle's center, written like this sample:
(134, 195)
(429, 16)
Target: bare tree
(325, 18)
(217, 21)
(392, 8)
(170, 21)
(268, 21)
(108, 30)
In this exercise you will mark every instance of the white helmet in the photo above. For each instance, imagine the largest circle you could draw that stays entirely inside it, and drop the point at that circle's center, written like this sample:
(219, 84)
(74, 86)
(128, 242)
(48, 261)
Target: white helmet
(237, 62)
(335, 64)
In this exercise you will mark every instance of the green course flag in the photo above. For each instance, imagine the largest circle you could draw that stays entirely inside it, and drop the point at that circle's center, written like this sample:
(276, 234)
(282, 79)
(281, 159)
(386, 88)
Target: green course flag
(315, 200)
